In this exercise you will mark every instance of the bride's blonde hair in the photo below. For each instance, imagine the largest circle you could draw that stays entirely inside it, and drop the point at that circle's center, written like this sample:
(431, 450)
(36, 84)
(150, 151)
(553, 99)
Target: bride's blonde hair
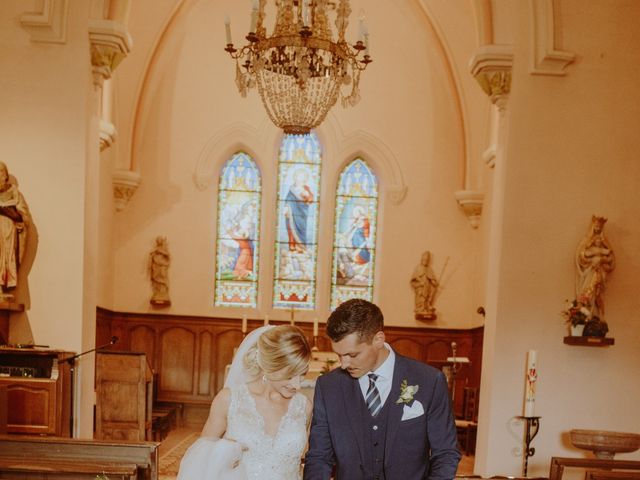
(280, 353)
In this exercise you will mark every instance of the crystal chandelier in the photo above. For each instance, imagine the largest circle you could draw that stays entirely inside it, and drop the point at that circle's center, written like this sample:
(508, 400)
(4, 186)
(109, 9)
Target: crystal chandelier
(304, 65)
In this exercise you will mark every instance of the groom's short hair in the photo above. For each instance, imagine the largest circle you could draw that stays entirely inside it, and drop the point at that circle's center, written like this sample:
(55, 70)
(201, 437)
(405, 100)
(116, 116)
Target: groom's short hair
(355, 316)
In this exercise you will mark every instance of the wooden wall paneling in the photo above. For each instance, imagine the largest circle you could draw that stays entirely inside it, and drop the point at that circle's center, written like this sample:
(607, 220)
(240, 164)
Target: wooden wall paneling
(227, 341)
(409, 347)
(177, 374)
(103, 327)
(190, 354)
(206, 367)
(142, 338)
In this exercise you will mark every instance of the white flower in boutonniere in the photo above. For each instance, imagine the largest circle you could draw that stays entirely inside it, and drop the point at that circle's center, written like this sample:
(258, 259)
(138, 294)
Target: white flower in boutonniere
(407, 392)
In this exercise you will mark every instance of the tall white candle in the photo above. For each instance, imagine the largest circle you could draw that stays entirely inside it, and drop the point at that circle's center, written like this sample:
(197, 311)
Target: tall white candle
(266, 320)
(254, 17)
(244, 324)
(531, 377)
(227, 29)
(305, 13)
(315, 327)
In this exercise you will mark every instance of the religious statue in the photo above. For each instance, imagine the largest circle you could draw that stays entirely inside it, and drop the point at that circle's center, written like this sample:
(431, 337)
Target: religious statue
(15, 221)
(159, 261)
(594, 261)
(425, 285)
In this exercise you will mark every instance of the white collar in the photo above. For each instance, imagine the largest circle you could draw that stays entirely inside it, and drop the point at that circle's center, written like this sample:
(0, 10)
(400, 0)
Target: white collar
(385, 370)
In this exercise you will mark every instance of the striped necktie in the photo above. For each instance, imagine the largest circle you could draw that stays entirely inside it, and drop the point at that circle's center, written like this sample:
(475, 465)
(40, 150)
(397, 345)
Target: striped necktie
(373, 396)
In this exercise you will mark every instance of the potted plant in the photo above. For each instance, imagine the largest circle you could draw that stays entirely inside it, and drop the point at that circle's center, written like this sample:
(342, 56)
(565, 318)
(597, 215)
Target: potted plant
(576, 316)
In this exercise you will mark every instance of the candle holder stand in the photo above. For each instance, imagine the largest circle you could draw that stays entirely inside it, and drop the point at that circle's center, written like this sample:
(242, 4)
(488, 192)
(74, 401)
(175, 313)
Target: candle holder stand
(532, 425)
(315, 344)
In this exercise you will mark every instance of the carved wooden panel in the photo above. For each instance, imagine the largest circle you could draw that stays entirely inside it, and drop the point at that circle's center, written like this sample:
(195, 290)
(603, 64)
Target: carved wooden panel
(206, 369)
(226, 342)
(31, 406)
(189, 354)
(142, 338)
(176, 370)
(407, 347)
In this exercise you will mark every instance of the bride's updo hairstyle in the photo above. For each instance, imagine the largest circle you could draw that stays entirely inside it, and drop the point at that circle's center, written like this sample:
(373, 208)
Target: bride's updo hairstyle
(280, 353)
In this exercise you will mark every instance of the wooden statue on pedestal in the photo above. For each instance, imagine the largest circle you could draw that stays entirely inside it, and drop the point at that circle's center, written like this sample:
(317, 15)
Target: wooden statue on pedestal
(15, 221)
(159, 261)
(425, 285)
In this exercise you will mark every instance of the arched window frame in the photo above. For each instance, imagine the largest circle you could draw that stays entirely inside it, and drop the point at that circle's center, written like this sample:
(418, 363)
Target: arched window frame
(238, 226)
(298, 209)
(354, 233)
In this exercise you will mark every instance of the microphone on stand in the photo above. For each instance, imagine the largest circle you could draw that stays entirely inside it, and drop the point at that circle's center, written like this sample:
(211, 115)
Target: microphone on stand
(72, 360)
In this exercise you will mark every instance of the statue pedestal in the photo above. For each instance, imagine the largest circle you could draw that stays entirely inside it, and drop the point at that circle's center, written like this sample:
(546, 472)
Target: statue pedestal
(6, 308)
(427, 315)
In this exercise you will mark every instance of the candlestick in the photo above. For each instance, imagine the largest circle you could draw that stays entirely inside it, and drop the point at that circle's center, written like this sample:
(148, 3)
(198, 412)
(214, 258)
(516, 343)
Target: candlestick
(227, 29)
(532, 425)
(244, 324)
(293, 322)
(531, 376)
(266, 320)
(315, 327)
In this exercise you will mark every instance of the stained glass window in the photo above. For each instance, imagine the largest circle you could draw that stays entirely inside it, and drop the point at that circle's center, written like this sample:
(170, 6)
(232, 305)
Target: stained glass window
(354, 233)
(297, 222)
(238, 233)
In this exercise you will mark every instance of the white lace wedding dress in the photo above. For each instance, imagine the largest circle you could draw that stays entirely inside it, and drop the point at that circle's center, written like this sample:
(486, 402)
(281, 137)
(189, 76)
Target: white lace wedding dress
(268, 458)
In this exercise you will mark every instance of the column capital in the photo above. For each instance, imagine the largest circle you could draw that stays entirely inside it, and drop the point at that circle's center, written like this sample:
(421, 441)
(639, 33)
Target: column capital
(110, 44)
(491, 67)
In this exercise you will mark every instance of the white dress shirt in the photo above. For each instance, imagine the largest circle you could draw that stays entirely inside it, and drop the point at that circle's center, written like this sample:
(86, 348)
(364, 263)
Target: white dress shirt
(385, 377)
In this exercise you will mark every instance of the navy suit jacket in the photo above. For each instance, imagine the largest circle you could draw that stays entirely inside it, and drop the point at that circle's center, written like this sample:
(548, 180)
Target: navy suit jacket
(420, 448)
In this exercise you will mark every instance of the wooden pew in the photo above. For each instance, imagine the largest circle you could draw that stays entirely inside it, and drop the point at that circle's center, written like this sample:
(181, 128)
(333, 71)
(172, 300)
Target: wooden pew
(559, 463)
(70, 459)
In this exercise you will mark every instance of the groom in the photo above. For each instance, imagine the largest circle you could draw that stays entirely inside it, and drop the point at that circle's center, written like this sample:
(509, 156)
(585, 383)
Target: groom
(381, 416)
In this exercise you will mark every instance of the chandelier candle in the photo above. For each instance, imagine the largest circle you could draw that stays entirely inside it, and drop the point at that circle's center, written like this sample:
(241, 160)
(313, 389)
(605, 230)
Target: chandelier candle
(531, 376)
(227, 29)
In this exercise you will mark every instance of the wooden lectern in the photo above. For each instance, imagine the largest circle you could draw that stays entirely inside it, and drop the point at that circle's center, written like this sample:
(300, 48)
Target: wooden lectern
(124, 396)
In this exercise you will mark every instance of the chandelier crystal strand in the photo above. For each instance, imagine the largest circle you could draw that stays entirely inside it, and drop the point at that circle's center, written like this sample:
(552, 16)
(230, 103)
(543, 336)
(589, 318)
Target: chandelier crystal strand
(302, 69)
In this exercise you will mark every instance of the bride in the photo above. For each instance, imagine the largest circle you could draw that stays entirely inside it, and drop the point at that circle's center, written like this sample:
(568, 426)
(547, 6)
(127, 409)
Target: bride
(257, 425)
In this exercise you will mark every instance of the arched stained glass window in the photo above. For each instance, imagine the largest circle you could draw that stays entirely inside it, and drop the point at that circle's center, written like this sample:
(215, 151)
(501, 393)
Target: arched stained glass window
(354, 233)
(297, 227)
(238, 233)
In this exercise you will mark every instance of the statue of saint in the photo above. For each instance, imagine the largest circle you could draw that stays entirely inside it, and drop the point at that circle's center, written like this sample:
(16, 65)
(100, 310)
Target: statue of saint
(594, 261)
(425, 285)
(15, 221)
(159, 261)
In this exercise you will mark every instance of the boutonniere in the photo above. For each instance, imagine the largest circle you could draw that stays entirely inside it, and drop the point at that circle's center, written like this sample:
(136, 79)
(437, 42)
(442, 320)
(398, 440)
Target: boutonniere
(407, 392)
